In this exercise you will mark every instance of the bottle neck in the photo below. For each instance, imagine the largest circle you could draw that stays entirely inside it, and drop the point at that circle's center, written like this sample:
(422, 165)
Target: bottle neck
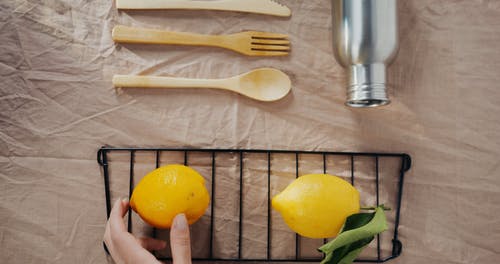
(367, 85)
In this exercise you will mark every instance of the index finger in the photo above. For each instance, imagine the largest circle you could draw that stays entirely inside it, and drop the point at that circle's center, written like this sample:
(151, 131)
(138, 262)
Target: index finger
(119, 210)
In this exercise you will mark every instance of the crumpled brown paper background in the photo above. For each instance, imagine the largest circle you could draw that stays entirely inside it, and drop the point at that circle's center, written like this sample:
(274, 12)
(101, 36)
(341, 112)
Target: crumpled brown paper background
(58, 107)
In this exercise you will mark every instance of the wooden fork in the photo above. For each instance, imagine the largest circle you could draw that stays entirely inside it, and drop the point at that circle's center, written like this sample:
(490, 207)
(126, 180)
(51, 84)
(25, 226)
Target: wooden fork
(251, 43)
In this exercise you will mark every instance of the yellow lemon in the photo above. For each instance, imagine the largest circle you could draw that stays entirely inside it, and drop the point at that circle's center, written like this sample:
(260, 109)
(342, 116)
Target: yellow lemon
(317, 205)
(168, 191)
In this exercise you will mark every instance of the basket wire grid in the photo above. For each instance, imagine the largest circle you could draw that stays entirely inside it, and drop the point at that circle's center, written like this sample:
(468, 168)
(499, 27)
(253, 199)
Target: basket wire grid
(404, 161)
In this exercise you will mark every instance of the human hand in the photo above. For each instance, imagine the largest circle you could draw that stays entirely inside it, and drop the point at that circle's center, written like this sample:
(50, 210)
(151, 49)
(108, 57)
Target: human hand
(125, 248)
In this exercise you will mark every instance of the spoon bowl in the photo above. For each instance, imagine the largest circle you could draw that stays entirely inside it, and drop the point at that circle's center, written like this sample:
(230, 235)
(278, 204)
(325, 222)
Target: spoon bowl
(264, 84)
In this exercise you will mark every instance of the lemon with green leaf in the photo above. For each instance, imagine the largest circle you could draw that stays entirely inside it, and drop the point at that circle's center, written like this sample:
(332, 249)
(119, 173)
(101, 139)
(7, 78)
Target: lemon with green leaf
(317, 205)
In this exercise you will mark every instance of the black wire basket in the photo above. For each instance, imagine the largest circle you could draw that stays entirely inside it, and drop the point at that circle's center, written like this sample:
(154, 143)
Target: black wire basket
(241, 184)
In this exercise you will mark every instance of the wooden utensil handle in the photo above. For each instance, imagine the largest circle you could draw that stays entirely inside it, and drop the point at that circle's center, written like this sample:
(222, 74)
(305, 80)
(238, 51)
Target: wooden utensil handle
(135, 81)
(124, 34)
(175, 4)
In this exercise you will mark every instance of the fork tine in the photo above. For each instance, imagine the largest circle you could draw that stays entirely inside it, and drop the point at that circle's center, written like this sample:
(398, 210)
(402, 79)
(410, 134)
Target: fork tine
(270, 47)
(267, 35)
(267, 53)
(271, 42)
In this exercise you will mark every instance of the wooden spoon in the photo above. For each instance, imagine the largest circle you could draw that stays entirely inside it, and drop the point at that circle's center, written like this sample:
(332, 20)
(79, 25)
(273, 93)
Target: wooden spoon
(263, 84)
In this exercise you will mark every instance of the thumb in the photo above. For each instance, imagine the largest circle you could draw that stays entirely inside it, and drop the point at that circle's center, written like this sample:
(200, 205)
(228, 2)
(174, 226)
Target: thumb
(179, 240)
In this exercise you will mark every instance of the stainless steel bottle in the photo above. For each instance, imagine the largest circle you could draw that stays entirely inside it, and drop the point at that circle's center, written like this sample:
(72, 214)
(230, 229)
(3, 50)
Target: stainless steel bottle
(365, 40)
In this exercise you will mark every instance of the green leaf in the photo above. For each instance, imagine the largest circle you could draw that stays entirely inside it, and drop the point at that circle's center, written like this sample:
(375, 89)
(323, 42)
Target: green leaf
(358, 231)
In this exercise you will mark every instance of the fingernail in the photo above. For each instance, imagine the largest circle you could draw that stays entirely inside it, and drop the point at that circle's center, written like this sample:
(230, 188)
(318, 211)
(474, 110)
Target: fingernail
(180, 222)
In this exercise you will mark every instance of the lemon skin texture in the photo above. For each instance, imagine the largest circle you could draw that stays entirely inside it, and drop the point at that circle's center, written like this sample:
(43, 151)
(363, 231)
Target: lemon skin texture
(167, 191)
(317, 205)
